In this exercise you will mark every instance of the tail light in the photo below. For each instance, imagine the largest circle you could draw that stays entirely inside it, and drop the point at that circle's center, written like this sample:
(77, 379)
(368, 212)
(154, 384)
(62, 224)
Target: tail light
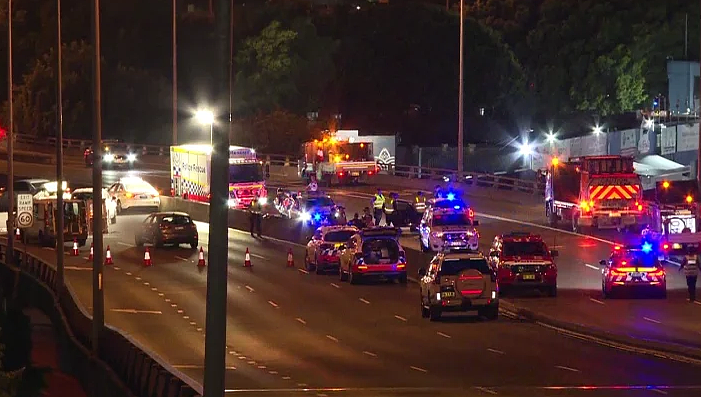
(340, 174)
(370, 172)
(640, 207)
(617, 248)
(665, 246)
(470, 213)
(616, 272)
(657, 273)
(584, 206)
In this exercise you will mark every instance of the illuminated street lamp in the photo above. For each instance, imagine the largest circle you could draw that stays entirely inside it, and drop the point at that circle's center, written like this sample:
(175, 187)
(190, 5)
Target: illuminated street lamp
(597, 130)
(206, 117)
(525, 149)
(551, 137)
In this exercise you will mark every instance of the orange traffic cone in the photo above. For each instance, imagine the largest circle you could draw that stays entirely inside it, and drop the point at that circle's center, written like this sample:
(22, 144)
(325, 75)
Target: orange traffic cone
(18, 237)
(247, 259)
(200, 260)
(92, 253)
(147, 258)
(108, 257)
(74, 251)
(290, 259)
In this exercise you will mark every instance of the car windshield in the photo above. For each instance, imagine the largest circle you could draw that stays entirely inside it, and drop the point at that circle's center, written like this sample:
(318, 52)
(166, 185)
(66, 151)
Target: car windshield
(339, 236)
(319, 202)
(452, 267)
(249, 172)
(525, 248)
(82, 196)
(176, 219)
(458, 219)
(139, 187)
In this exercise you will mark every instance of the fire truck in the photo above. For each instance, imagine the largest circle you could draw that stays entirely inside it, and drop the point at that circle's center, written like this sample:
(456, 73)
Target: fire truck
(190, 167)
(335, 161)
(602, 192)
(673, 206)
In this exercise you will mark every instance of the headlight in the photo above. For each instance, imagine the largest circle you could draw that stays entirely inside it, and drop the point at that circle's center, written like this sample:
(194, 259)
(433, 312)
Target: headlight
(263, 200)
(446, 179)
(131, 157)
(437, 234)
(305, 217)
(107, 158)
(232, 202)
(337, 214)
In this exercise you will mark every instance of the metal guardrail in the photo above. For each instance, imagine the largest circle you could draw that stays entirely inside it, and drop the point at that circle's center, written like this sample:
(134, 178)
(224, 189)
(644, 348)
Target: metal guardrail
(122, 369)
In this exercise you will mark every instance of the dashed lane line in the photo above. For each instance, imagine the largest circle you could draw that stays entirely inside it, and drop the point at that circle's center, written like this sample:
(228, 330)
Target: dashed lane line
(302, 271)
(250, 289)
(652, 320)
(371, 354)
(486, 390)
(592, 266)
(367, 302)
(331, 337)
(335, 285)
(597, 301)
(418, 369)
(567, 368)
(400, 318)
(273, 304)
(495, 351)
(301, 321)
(125, 244)
(182, 259)
(443, 335)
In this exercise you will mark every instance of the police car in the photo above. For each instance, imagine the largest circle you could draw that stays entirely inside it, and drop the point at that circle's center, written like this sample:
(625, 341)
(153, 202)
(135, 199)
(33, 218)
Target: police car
(522, 260)
(448, 224)
(324, 248)
(458, 282)
(635, 268)
(315, 209)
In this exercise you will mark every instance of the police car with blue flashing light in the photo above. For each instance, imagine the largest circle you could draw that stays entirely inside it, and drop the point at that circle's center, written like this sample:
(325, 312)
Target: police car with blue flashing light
(315, 209)
(448, 224)
(633, 267)
(324, 247)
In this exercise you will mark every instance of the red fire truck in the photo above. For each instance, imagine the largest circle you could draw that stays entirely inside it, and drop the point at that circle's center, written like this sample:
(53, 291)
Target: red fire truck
(336, 161)
(602, 192)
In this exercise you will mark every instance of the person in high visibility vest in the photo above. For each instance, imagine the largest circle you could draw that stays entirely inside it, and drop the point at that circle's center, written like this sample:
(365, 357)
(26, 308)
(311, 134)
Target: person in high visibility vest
(378, 203)
(690, 267)
(389, 208)
(420, 202)
(256, 210)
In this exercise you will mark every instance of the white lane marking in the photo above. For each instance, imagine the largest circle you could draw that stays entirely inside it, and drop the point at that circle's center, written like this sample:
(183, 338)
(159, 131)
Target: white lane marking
(302, 271)
(128, 273)
(273, 304)
(249, 288)
(186, 317)
(77, 268)
(443, 335)
(273, 372)
(597, 301)
(592, 266)
(154, 289)
(371, 354)
(173, 305)
(134, 311)
(125, 244)
(659, 391)
(262, 367)
(418, 369)
(167, 299)
(116, 268)
(567, 368)
(697, 303)
(332, 338)
(137, 278)
(146, 284)
(181, 258)
(399, 318)
(485, 390)
(180, 311)
(495, 351)
(286, 377)
(302, 384)
(367, 302)
(300, 320)
(652, 320)
(199, 330)
(161, 294)
(259, 257)
(335, 285)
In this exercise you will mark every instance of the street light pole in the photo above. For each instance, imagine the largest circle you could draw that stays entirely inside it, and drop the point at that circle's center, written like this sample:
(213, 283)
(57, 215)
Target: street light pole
(98, 320)
(59, 154)
(10, 145)
(461, 88)
(175, 73)
(215, 336)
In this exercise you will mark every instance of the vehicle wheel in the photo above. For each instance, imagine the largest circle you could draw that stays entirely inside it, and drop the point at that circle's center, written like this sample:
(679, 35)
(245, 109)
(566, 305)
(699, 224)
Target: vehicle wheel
(119, 207)
(552, 291)
(343, 276)
(434, 314)
(352, 279)
(490, 312)
(194, 244)
(403, 279)
(424, 310)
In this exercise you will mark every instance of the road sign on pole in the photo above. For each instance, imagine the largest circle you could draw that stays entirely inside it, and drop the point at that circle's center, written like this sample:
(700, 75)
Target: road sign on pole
(25, 210)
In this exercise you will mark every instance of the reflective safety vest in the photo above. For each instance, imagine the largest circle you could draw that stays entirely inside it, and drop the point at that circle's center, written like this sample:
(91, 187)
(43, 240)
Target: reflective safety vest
(691, 266)
(420, 203)
(255, 207)
(389, 205)
(379, 201)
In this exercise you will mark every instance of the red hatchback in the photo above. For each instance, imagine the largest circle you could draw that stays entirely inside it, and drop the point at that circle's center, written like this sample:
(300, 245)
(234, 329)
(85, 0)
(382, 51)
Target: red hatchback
(522, 260)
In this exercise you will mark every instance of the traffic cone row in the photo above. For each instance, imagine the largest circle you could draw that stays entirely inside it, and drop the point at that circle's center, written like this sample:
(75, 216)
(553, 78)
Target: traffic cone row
(247, 259)
(75, 251)
(147, 258)
(200, 259)
(108, 257)
(290, 259)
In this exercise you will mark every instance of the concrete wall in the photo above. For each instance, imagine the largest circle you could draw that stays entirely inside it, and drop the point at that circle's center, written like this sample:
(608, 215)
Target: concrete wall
(682, 91)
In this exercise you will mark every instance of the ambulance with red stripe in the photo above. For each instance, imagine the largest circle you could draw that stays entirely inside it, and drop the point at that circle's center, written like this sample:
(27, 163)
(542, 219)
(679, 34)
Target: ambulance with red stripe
(602, 192)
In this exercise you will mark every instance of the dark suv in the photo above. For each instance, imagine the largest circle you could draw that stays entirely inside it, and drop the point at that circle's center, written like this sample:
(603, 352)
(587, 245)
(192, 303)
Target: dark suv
(163, 228)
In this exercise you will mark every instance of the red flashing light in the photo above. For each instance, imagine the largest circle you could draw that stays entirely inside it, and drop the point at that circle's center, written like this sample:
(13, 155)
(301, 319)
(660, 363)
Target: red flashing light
(640, 207)
(370, 172)
(470, 213)
(624, 263)
(340, 174)
(665, 246)
(617, 248)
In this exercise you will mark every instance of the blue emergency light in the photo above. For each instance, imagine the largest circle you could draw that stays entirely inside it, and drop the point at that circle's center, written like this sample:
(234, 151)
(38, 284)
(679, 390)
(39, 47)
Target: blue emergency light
(457, 207)
(317, 217)
(451, 196)
(647, 247)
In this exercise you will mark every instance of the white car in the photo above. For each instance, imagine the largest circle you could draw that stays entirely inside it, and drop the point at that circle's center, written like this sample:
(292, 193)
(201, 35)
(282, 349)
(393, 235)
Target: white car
(134, 192)
(86, 194)
(448, 225)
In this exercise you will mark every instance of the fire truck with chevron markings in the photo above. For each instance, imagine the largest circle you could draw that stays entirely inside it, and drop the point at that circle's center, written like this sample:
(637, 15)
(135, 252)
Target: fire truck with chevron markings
(601, 192)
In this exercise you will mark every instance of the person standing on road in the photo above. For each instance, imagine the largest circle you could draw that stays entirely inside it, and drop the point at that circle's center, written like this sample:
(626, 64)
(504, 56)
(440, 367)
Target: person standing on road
(256, 210)
(390, 207)
(378, 204)
(690, 267)
(367, 218)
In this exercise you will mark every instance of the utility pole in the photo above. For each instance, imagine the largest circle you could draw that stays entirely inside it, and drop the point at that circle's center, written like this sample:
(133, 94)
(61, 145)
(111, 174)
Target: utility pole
(461, 88)
(59, 154)
(698, 151)
(175, 72)
(215, 336)
(98, 301)
(10, 258)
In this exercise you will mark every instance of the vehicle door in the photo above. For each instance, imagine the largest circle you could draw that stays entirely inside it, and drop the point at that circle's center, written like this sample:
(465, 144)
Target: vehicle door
(148, 228)
(348, 253)
(314, 243)
(429, 281)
